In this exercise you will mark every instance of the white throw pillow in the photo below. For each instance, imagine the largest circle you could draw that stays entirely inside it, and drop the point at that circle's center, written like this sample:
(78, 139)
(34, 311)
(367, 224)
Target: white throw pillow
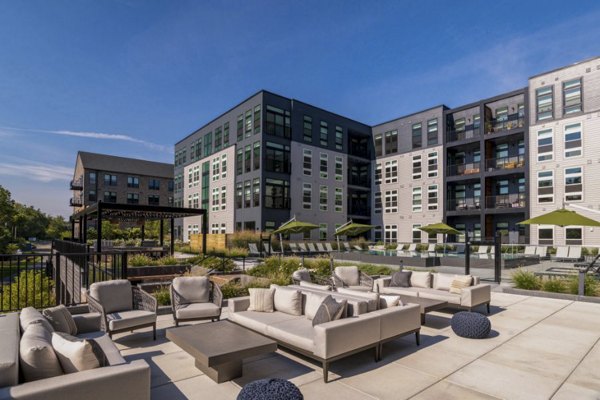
(460, 282)
(443, 281)
(74, 354)
(315, 286)
(261, 300)
(386, 301)
(287, 300)
(420, 279)
(313, 302)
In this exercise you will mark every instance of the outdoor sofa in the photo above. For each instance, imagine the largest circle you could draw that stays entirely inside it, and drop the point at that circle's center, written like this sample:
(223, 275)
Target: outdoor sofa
(118, 379)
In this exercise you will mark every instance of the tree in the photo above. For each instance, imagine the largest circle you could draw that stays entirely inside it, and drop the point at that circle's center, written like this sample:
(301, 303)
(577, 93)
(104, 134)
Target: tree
(58, 227)
(6, 219)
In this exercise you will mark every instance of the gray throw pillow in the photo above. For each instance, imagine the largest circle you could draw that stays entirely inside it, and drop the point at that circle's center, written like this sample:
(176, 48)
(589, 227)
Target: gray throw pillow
(37, 357)
(401, 279)
(61, 319)
(329, 310)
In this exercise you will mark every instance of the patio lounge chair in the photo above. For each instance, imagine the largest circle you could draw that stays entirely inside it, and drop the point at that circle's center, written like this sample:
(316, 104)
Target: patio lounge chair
(574, 253)
(321, 248)
(294, 248)
(562, 253)
(541, 251)
(357, 248)
(195, 298)
(431, 249)
(329, 248)
(347, 246)
(411, 251)
(302, 247)
(482, 251)
(352, 278)
(311, 248)
(269, 249)
(122, 307)
(303, 275)
(253, 249)
(529, 251)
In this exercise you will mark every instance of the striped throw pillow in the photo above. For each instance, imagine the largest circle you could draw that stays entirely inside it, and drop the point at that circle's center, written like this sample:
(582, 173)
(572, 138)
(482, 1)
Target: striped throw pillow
(459, 283)
(262, 300)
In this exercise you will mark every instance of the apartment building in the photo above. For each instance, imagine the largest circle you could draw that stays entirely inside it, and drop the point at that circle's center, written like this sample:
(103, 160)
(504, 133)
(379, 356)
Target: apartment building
(565, 149)
(113, 179)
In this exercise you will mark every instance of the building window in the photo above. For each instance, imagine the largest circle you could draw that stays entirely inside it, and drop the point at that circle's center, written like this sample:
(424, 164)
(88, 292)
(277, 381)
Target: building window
(153, 200)
(323, 198)
(391, 142)
(223, 166)
(323, 165)
(417, 200)
(573, 184)
(216, 163)
(417, 167)
(214, 228)
(218, 139)
(196, 175)
(307, 129)
(226, 134)
(215, 199)
(196, 200)
(240, 127)
(256, 192)
(306, 196)
(307, 162)
(223, 197)
(92, 195)
(256, 155)
(378, 176)
(545, 234)
(278, 122)
(324, 133)
(417, 136)
(544, 103)
(339, 168)
(377, 234)
(208, 144)
(379, 145)
(189, 201)
(432, 132)
(154, 184)
(248, 123)
(277, 193)
(133, 182)
(544, 145)
(574, 236)
(248, 158)
(277, 158)
(573, 142)
(545, 184)
(92, 176)
(190, 177)
(391, 233)
(110, 180)
(339, 138)
(432, 164)
(257, 119)
(391, 201)
(572, 98)
(247, 194)
(133, 198)
(322, 231)
(416, 233)
(110, 197)
(432, 197)
(239, 192)
(239, 162)
(339, 200)
(391, 171)
(377, 202)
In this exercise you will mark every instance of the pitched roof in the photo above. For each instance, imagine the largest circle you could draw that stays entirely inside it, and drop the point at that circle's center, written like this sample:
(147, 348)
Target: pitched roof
(105, 162)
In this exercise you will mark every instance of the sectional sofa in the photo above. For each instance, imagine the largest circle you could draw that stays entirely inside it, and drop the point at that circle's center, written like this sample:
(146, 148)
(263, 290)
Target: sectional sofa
(360, 329)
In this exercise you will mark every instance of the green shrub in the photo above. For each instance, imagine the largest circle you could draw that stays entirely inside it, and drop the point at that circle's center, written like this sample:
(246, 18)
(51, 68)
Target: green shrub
(591, 285)
(30, 288)
(139, 260)
(422, 247)
(163, 296)
(391, 246)
(215, 263)
(168, 260)
(526, 280)
(242, 238)
(231, 290)
(554, 285)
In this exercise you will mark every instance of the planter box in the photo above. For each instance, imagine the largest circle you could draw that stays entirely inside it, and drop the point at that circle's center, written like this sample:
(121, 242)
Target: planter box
(551, 295)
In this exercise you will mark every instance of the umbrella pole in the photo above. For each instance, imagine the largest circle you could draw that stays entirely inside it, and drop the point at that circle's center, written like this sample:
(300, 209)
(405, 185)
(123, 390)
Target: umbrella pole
(338, 240)
(281, 243)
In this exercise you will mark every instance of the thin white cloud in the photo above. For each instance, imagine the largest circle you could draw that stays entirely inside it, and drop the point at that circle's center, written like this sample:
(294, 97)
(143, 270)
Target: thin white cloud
(37, 172)
(94, 135)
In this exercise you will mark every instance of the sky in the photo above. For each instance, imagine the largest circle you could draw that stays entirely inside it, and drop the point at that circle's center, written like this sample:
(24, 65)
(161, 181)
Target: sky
(131, 78)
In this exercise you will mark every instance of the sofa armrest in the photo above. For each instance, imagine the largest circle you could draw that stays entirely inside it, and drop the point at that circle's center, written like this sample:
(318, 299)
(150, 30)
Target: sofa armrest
(126, 381)
(347, 334)
(475, 295)
(239, 304)
(381, 283)
(396, 321)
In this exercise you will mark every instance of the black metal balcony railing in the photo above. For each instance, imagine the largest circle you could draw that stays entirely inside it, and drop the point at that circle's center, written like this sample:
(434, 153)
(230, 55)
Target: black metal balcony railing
(473, 203)
(77, 184)
(76, 201)
(512, 200)
(455, 135)
(464, 169)
(505, 163)
(359, 210)
(513, 121)
(278, 166)
(359, 182)
(277, 202)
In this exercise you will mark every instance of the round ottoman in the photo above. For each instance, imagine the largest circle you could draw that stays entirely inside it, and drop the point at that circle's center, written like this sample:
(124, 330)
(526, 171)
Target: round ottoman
(471, 325)
(270, 389)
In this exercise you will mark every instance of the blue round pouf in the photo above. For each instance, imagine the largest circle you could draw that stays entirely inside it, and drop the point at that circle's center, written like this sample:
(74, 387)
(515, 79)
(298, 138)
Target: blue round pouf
(471, 325)
(270, 389)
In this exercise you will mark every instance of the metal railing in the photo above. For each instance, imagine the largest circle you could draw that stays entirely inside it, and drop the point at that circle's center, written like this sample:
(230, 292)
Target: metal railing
(276, 202)
(464, 204)
(76, 184)
(456, 135)
(505, 163)
(75, 201)
(464, 169)
(513, 121)
(26, 280)
(512, 200)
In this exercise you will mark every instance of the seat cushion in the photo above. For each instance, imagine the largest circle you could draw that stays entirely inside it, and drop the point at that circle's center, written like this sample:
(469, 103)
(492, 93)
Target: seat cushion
(259, 321)
(129, 319)
(112, 355)
(61, 319)
(9, 349)
(75, 354)
(420, 279)
(349, 275)
(297, 332)
(37, 357)
(360, 288)
(113, 295)
(408, 291)
(197, 310)
(192, 289)
(88, 322)
(30, 315)
(442, 295)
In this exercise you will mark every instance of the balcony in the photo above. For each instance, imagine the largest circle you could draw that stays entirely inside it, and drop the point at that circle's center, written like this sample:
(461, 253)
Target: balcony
(277, 202)
(359, 209)
(77, 184)
(358, 181)
(464, 204)
(279, 166)
(503, 201)
(76, 202)
(464, 169)
(457, 135)
(494, 164)
(513, 121)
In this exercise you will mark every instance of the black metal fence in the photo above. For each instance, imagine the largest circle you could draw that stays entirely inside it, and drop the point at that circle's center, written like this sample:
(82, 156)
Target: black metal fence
(26, 280)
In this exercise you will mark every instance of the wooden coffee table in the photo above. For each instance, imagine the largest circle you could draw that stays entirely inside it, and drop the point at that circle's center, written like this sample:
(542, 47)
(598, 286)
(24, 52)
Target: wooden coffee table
(220, 347)
(427, 305)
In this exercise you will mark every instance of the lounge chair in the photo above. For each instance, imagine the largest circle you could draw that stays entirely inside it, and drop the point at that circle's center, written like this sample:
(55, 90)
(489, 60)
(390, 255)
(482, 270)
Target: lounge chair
(294, 248)
(574, 253)
(269, 249)
(411, 251)
(347, 247)
(357, 248)
(320, 247)
(302, 247)
(303, 275)
(352, 278)
(311, 248)
(431, 249)
(541, 251)
(482, 252)
(253, 249)
(562, 253)
(195, 298)
(529, 251)
(329, 248)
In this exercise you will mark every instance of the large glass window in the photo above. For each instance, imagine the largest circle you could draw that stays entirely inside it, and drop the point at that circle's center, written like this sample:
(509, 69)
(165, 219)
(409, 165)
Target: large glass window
(226, 134)
(391, 233)
(223, 197)
(391, 142)
(153, 200)
(545, 184)
(110, 197)
(417, 167)
(416, 233)
(391, 171)
(247, 194)
(215, 169)
(92, 176)
(110, 180)
(256, 192)
(339, 168)
(339, 138)
(573, 184)
(377, 202)
(574, 236)
(277, 157)
(278, 122)
(133, 198)
(218, 139)
(307, 129)
(307, 162)
(240, 127)
(224, 166)
(573, 142)
(432, 132)
(248, 158)
(257, 115)
(322, 231)
(323, 198)
(277, 193)
(417, 136)
(208, 144)
(378, 175)
(133, 182)
(154, 184)
(379, 145)
(215, 199)
(572, 98)
(248, 123)
(391, 201)
(545, 149)
(323, 165)
(545, 234)
(432, 164)
(256, 155)
(239, 193)
(324, 134)
(544, 103)
(306, 196)
(417, 199)
(432, 197)
(239, 162)
(339, 200)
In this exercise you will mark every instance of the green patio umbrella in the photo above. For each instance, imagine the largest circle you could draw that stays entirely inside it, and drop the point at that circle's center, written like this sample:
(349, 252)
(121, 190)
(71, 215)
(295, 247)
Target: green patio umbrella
(293, 226)
(440, 228)
(351, 229)
(562, 218)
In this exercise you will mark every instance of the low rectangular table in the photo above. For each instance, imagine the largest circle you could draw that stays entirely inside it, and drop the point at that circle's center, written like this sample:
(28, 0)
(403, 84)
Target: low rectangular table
(427, 305)
(220, 347)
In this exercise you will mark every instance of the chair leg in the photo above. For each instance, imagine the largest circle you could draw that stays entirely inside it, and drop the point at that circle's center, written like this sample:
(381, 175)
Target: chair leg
(154, 331)
(418, 337)
(325, 371)
(488, 307)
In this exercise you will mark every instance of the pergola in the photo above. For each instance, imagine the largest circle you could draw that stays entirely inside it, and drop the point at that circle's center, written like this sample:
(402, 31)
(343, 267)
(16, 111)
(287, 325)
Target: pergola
(134, 213)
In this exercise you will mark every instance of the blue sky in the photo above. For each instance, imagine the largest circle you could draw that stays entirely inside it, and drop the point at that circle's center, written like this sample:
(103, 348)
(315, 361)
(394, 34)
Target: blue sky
(131, 78)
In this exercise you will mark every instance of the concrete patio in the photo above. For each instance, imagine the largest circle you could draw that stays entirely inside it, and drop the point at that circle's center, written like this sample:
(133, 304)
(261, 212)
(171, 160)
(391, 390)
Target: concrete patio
(539, 349)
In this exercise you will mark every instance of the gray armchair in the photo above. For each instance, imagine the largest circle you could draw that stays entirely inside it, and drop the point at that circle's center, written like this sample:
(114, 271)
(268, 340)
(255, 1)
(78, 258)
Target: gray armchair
(195, 298)
(352, 278)
(122, 307)
(303, 274)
